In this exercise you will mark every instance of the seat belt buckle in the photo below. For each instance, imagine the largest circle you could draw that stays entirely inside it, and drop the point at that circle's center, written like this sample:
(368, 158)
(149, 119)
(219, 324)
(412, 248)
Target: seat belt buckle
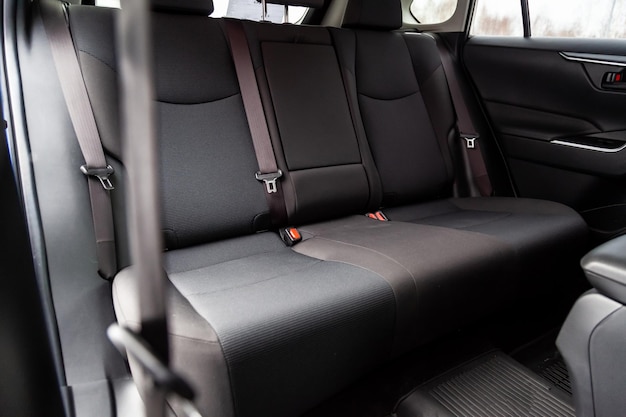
(470, 140)
(290, 235)
(269, 180)
(102, 174)
(378, 215)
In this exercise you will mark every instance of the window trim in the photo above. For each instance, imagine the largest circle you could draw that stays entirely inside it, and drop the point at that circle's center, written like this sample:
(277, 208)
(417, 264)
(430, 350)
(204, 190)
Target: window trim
(526, 18)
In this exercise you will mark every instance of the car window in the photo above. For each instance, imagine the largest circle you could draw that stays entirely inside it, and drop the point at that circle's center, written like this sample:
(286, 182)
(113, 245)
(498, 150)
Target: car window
(243, 9)
(433, 11)
(251, 10)
(498, 18)
(578, 18)
(108, 3)
(554, 18)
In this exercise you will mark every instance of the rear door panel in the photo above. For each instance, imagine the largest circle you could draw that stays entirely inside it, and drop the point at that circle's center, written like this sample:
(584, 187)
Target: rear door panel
(562, 130)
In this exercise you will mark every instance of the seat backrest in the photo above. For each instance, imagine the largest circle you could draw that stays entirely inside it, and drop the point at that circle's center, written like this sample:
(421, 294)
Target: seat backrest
(404, 101)
(207, 161)
(328, 169)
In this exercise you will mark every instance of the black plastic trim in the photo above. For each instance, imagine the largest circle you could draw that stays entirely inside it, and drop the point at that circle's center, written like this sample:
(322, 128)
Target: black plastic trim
(526, 19)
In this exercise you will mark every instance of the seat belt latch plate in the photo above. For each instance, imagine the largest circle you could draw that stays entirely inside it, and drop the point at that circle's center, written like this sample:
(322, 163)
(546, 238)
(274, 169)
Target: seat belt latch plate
(269, 180)
(290, 235)
(102, 174)
(470, 140)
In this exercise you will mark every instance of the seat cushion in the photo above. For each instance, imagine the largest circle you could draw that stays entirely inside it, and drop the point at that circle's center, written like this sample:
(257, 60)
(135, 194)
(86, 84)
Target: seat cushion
(287, 329)
(442, 277)
(528, 225)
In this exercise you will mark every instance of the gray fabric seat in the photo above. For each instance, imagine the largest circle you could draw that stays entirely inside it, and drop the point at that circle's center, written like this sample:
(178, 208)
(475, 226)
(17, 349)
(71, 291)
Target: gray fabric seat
(262, 329)
(410, 124)
(329, 172)
(480, 245)
(258, 329)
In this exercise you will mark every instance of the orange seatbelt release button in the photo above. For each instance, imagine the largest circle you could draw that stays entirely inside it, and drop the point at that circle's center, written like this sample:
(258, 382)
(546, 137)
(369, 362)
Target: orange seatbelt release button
(379, 215)
(290, 235)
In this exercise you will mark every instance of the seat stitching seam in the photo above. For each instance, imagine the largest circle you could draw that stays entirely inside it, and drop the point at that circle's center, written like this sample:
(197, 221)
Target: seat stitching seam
(195, 339)
(219, 263)
(390, 99)
(199, 102)
(370, 250)
(317, 261)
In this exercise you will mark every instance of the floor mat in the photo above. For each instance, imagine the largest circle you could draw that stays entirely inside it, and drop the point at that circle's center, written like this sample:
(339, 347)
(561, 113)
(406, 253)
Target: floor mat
(495, 385)
(555, 371)
(543, 358)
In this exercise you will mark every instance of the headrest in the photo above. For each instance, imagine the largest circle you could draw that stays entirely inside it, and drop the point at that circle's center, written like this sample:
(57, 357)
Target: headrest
(373, 14)
(313, 4)
(199, 7)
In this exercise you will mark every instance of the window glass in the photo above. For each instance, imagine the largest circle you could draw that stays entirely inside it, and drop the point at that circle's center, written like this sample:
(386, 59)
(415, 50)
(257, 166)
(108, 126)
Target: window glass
(108, 3)
(251, 10)
(433, 11)
(242, 9)
(498, 18)
(578, 18)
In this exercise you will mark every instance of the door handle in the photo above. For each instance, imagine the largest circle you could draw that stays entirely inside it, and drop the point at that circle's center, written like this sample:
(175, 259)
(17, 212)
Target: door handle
(614, 80)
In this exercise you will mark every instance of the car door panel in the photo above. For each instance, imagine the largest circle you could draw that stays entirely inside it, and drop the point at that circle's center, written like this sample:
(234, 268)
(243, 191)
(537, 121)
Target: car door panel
(561, 126)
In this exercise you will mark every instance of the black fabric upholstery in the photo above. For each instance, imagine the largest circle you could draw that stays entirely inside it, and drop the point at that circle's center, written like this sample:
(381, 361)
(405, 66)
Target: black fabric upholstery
(328, 172)
(548, 238)
(207, 160)
(199, 204)
(406, 150)
(373, 14)
(304, 86)
(412, 146)
(271, 308)
(307, 90)
(197, 7)
(456, 277)
(266, 330)
(200, 115)
(192, 60)
(259, 329)
(526, 224)
(434, 89)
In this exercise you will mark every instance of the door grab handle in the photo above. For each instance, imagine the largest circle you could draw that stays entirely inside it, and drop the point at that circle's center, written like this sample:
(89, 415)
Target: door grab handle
(613, 60)
(587, 147)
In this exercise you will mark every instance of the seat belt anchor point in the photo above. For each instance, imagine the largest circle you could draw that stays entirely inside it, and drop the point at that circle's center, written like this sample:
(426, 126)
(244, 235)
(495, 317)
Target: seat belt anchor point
(269, 180)
(470, 140)
(102, 174)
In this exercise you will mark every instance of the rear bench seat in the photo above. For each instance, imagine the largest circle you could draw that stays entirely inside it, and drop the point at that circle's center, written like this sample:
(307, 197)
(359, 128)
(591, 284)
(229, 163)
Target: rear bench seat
(403, 95)
(262, 329)
(441, 256)
(259, 329)
(437, 273)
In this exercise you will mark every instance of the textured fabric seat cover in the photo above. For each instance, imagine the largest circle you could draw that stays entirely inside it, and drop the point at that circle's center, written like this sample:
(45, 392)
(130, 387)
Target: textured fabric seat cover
(302, 81)
(409, 120)
(261, 329)
(258, 329)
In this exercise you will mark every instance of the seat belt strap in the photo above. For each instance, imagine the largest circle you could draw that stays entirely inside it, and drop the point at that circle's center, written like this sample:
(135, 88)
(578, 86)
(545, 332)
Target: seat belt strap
(95, 168)
(268, 172)
(479, 183)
